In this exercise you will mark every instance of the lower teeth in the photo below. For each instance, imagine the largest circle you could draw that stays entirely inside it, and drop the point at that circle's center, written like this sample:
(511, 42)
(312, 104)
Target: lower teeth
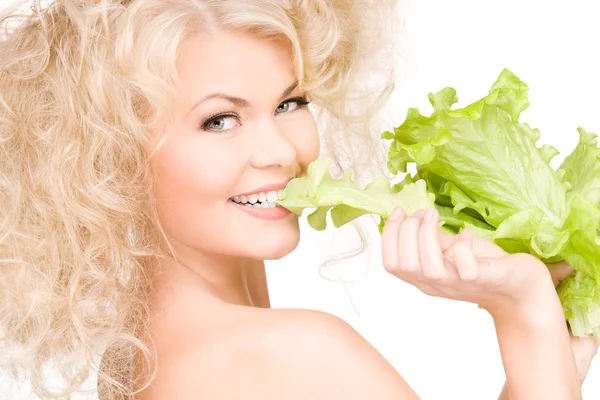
(257, 205)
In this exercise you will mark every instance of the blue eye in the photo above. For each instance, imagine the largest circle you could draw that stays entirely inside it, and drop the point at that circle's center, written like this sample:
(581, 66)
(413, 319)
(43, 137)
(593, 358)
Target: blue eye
(287, 106)
(291, 105)
(221, 123)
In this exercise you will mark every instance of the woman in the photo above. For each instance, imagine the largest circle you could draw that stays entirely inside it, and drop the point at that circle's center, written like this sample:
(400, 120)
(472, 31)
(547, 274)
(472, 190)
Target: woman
(143, 146)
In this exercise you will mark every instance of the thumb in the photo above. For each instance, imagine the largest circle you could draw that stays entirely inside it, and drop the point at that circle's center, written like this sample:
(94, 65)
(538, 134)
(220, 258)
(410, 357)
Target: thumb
(446, 240)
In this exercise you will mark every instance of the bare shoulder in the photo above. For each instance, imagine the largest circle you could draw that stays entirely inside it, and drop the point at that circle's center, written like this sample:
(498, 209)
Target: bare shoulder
(275, 354)
(323, 357)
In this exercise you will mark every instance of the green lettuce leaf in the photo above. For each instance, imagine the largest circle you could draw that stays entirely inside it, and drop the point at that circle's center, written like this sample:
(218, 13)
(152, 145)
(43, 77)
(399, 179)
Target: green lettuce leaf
(454, 223)
(582, 310)
(453, 219)
(481, 161)
(345, 201)
(490, 163)
(579, 293)
(581, 169)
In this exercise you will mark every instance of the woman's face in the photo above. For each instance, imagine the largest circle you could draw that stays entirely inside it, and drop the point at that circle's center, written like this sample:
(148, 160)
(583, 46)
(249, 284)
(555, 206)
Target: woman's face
(242, 131)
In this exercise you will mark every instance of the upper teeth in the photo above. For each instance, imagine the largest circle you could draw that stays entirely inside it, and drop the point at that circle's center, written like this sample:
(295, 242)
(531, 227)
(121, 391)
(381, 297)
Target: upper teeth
(267, 199)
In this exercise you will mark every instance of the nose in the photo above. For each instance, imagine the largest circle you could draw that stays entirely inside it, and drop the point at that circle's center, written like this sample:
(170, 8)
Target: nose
(272, 148)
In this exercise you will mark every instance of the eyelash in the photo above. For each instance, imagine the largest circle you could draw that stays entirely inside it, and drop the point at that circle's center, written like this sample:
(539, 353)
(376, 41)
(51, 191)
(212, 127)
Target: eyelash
(301, 101)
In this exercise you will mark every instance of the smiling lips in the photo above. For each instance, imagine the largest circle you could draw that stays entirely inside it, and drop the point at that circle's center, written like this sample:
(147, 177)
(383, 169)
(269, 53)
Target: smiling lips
(263, 199)
(261, 203)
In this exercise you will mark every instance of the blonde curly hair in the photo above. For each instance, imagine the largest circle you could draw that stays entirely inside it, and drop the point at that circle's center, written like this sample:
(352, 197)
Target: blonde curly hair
(80, 83)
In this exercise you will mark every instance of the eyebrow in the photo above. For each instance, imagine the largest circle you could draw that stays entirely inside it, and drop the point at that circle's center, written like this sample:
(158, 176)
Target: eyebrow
(238, 101)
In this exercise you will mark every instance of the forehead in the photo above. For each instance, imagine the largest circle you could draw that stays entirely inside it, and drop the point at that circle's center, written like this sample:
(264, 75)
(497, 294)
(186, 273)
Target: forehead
(236, 63)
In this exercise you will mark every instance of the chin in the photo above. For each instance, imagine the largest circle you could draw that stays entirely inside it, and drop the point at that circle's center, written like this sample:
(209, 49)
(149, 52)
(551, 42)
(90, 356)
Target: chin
(277, 248)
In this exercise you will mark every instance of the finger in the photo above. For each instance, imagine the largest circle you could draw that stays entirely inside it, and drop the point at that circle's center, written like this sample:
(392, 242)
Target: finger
(584, 350)
(430, 253)
(408, 241)
(446, 240)
(466, 264)
(559, 271)
(585, 347)
(481, 247)
(389, 240)
(418, 214)
(448, 245)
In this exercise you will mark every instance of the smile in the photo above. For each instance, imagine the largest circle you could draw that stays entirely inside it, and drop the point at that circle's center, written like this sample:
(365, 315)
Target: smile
(259, 200)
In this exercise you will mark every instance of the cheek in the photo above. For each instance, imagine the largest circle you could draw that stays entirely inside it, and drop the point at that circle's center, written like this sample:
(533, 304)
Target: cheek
(186, 170)
(192, 186)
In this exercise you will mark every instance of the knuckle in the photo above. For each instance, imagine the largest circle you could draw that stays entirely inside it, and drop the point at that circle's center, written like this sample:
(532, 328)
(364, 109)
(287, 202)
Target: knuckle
(433, 275)
(460, 247)
(412, 220)
(408, 225)
(392, 268)
(410, 267)
(468, 277)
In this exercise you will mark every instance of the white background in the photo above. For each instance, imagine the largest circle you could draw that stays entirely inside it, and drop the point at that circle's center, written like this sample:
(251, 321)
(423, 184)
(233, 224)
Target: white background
(445, 349)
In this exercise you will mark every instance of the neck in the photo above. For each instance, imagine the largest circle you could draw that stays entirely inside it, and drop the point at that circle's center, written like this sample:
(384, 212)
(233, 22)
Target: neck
(231, 279)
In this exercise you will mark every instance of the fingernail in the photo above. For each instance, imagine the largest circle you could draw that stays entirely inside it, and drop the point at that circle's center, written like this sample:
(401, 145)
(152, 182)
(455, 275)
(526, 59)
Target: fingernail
(418, 213)
(429, 213)
(396, 214)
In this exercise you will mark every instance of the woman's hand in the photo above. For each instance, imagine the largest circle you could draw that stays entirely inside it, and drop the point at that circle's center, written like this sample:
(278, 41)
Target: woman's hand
(516, 289)
(462, 267)
(584, 349)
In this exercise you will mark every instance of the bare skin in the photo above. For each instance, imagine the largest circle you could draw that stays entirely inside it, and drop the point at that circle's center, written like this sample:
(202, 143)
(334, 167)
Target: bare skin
(584, 349)
(242, 349)
(212, 326)
(210, 348)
